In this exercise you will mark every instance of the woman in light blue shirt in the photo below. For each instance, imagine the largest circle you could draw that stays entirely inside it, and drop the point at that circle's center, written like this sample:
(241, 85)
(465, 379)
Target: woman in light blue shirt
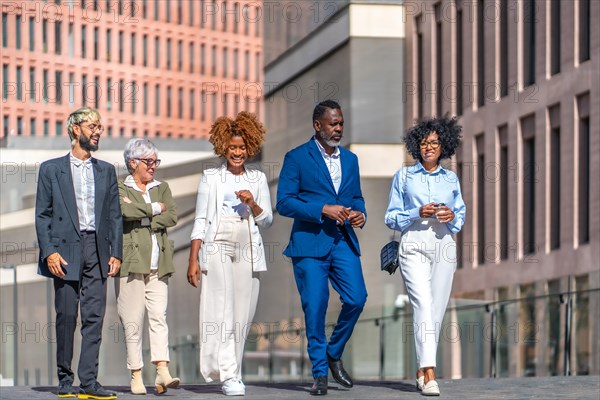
(426, 205)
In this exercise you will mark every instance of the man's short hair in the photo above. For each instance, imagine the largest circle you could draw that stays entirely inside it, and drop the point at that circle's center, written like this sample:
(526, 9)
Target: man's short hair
(322, 107)
(83, 114)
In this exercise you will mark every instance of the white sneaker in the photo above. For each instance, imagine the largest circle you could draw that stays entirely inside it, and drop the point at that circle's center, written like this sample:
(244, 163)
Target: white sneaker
(233, 387)
(431, 388)
(420, 382)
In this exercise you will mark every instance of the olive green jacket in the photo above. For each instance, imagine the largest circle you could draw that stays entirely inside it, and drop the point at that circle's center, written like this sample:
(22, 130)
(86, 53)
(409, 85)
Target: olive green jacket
(137, 239)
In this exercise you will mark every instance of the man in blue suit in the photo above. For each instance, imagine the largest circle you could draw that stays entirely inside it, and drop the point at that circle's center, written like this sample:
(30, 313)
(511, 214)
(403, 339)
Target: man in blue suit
(319, 186)
(80, 234)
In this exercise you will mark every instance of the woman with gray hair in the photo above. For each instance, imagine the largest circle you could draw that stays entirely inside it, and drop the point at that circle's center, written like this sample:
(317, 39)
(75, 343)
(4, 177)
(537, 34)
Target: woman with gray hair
(148, 210)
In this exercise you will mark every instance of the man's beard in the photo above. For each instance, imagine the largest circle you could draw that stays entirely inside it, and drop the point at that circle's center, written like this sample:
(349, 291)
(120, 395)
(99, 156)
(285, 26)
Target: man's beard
(86, 143)
(328, 141)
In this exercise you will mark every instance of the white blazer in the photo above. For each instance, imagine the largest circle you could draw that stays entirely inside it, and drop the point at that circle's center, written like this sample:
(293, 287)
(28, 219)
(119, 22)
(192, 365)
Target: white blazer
(208, 212)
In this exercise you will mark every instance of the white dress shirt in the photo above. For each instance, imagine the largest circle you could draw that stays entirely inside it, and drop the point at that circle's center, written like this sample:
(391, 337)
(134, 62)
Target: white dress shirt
(334, 164)
(85, 196)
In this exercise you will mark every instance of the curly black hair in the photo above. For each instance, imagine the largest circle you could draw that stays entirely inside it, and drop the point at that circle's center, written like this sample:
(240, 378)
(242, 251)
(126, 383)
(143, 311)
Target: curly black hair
(448, 130)
(322, 107)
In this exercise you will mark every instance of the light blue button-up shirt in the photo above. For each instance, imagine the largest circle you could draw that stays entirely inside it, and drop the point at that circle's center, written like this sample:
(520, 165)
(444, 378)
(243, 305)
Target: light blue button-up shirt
(413, 187)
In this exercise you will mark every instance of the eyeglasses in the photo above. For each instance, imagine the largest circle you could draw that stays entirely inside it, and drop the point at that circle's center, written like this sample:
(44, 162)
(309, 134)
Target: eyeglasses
(150, 162)
(434, 144)
(93, 127)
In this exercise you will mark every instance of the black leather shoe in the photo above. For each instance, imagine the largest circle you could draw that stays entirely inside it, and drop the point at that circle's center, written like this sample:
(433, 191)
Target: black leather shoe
(339, 373)
(96, 391)
(65, 390)
(319, 388)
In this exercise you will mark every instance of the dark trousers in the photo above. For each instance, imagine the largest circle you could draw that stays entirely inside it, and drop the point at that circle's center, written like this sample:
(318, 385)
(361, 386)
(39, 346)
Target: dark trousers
(88, 294)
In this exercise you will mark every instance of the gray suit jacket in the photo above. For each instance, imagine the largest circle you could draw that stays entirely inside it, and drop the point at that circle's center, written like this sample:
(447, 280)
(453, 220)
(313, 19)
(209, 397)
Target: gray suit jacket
(57, 221)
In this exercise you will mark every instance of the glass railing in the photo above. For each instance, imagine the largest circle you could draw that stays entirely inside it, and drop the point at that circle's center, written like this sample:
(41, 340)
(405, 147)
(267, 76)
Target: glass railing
(532, 336)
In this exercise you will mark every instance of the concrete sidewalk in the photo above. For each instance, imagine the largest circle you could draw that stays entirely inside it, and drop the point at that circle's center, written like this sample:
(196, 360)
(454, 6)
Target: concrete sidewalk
(575, 388)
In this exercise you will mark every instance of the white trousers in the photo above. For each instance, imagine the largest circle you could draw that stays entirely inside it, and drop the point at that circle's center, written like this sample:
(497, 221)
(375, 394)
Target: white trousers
(228, 296)
(427, 263)
(136, 294)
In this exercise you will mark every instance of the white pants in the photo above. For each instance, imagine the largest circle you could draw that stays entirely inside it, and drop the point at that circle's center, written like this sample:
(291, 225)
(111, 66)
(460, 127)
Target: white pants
(136, 294)
(427, 263)
(228, 296)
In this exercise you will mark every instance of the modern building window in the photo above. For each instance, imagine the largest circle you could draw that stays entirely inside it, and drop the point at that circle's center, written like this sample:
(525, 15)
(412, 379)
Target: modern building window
(19, 126)
(58, 128)
(202, 14)
(213, 16)
(32, 127)
(156, 52)
(419, 52)
(213, 107)
(192, 104)
(179, 55)
(31, 33)
(32, 85)
(18, 32)
(225, 63)
(202, 59)
(97, 92)
(57, 37)
(145, 50)
(584, 312)
(145, 98)
(5, 81)
(157, 100)
(246, 17)
(213, 57)
(191, 12)
(236, 66)
(84, 97)
(481, 220)
(247, 65)
(168, 10)
(180, 11)
(120, 7)
(555, 36)
(109, 131)
(203, 101)
(4, 30)
(6, 127)
(527, 318)
(192, 57)
(529, 38)
(257, 67)
(71, 40)
(83, 41)
(96, 43)
(584, 30)
(46, 127)
(108, 44)
(504, 176)
(555, 181)
(481, 53)
(236, 105)
(145, 9)
(45, 86)
(133, 132)
(121, 132)
(236, 20)
(121, 95)
(71, 89)
(529, 184)
(45, 35)
(168, 54)
(169, 99)
(133, 97)
(438, 60)
(133, 48)
(121, 46)
(180, 103)
(59, 85)
(225, 104)
(156, 10)
(458, 60)
(583, 173)
(19, 82)
(109, 94)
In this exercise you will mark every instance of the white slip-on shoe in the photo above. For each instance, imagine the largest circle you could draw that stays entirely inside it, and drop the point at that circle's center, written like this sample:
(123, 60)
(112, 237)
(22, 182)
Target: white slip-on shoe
(233, 387)
(431, 388)
(420, 382)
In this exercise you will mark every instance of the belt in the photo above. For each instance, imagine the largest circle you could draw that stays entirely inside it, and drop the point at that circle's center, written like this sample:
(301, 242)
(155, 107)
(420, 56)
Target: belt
(87, 232)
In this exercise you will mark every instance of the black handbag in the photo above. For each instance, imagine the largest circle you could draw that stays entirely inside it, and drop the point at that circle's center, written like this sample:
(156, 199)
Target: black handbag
(389, 257)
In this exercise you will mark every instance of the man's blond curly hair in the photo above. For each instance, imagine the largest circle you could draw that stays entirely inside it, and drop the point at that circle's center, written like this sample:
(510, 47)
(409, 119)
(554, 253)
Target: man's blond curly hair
(245, 125)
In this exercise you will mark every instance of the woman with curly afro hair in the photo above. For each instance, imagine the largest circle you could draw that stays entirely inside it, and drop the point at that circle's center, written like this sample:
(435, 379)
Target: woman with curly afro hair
(227, 254)
(426, 206)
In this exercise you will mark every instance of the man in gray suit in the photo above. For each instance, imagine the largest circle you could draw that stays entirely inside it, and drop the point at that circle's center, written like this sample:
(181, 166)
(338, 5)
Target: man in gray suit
(80, 233)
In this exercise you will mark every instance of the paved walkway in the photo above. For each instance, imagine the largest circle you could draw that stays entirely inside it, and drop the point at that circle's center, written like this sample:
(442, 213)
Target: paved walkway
(575, 388)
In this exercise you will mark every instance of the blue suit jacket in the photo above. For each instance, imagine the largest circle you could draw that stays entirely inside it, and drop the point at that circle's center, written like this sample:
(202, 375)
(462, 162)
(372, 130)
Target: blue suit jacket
(305, 186)
(57, 221)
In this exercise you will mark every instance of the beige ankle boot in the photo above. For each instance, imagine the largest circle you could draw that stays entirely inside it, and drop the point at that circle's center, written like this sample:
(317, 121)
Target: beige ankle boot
(137, 383)
(164, 379)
